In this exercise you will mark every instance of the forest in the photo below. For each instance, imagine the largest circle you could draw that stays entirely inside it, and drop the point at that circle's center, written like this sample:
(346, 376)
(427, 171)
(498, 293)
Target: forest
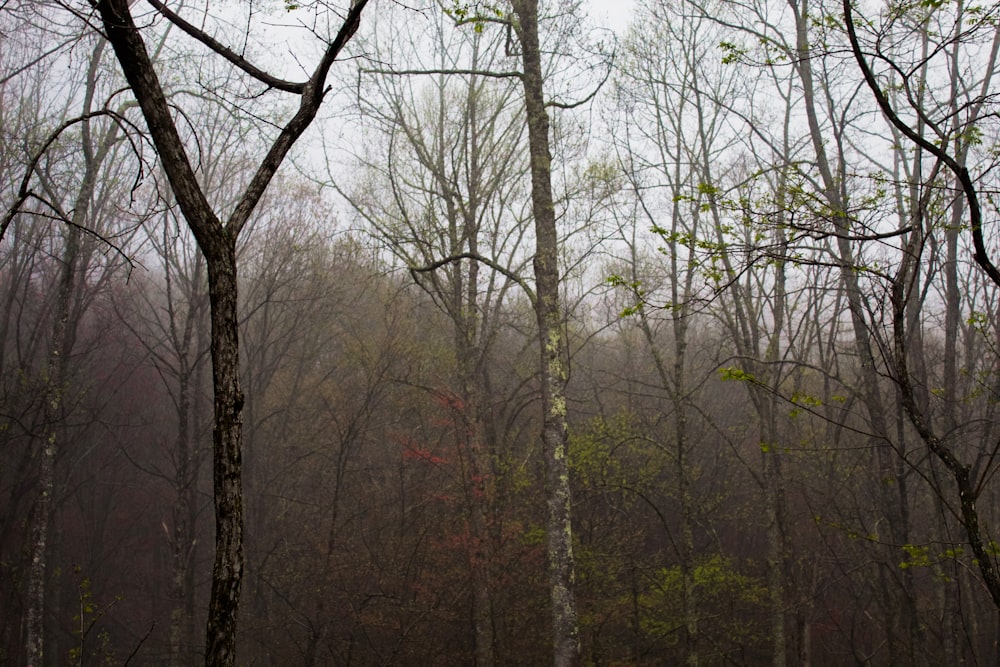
(446, 333)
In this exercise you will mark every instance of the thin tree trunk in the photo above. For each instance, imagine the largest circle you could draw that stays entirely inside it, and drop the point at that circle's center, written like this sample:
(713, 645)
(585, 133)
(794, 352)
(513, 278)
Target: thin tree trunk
(185, 509)
(54, 379)
(181, 539)
(63, 335)
(892, 501)
(965, 481)
(675, 384)
(565, 630)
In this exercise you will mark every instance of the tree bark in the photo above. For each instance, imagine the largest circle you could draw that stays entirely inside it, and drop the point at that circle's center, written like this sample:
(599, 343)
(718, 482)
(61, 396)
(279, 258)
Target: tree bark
(42, 510)
(227, 456)
(61, 345)
(565, 630)
(218, 243)
(900, 613)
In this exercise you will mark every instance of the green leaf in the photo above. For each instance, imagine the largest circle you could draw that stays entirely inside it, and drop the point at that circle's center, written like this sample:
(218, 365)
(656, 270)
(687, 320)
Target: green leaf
(738, 374)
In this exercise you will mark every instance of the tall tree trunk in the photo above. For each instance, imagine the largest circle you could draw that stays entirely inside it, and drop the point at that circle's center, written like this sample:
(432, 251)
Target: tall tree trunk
(763, 362)
(61, 344)
(218, 243)
(967, 486)
(470, 353)
(674, 383)
(891, 493)
(185, 511)
(227, 455)
(565, 629)
(52, 406)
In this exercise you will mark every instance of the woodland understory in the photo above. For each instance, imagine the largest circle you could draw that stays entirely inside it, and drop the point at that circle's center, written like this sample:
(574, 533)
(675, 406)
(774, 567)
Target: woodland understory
(483, 334)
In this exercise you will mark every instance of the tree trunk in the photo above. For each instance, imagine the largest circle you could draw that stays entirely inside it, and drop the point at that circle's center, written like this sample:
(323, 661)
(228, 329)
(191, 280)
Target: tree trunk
(63, 335)
(891, 492)
(218, 243)
(565, 630)
(52, 406)
(227, 438)
(185, 511)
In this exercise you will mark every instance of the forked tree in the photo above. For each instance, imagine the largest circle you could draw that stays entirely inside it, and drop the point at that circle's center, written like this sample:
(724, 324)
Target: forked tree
(217, 235)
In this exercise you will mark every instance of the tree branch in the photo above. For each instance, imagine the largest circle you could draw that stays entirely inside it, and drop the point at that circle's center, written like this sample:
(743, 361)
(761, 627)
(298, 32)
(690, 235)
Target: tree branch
(312, 98)
(24, 191)
(593, 94)
(981, 256)
(414, 270)
(227, 53)
(819, 235)
(141, 76)
(467, 72)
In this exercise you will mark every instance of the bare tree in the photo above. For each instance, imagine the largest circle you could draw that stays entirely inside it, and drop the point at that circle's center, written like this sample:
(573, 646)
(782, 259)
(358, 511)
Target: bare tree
(672, 132)
(953, 121)
(81, 201)
(523, 31)
(218, 241)
(449, 183)
(551, 341)
(170, 321)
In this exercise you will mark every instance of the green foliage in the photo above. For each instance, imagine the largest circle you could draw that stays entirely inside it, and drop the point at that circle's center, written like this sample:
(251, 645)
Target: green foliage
(922, 557)
(733, 373)
(593, 450)
(636, 290)
(979, 320)
(602, 178)
(475, 13)
(972, 136)
(84, 622)
(981, 15)
(722, 593)
(805, 401)
(845, 529)
(689, 240)
(533, 536)
(916, 556)
(732, 53)
(612, 455)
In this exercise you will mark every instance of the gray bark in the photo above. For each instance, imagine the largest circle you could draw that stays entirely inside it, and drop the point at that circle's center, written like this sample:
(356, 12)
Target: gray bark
(61, 345)
(559, 534)
(892, 488)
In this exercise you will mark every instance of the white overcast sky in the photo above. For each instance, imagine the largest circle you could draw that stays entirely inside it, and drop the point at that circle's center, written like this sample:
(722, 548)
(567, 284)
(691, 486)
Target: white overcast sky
(614, 14)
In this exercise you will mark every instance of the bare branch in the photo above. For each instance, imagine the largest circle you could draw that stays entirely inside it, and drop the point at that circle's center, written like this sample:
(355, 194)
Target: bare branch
(981, 256)
(588, 98)
(414, 270)
(465, 72)
(312, 98)
(24, 191)
(817, 235)
(227, 53)
(141, 642)
(35, 61)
